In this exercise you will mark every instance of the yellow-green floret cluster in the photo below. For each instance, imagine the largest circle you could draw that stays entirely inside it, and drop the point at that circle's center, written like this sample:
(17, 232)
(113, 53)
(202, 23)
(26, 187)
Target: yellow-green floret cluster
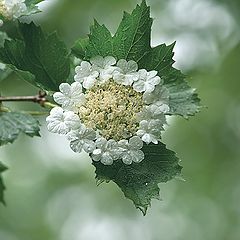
(112, 109)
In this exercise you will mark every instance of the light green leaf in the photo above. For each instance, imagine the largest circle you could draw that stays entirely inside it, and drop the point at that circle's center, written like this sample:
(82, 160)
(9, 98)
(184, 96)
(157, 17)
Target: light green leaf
(14, 123)
(2, 186)
(45, 57)
(139, 181)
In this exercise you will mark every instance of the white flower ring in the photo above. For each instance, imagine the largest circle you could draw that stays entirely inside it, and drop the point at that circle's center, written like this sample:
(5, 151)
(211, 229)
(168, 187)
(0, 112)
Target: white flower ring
(111, 110)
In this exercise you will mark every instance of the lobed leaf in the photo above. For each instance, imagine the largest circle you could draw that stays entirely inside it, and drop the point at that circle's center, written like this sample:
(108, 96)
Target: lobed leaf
(133, 36)
(14, 123)
(139, 181)
(45, 57)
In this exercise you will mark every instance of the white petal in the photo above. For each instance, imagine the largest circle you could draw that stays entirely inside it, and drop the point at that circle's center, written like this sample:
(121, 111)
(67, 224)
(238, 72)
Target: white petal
(127, 159)
(72, 120)
(89, 82)
(96, 155)
(76, 145)
(139, 86)
(89, 134)
(59, 128)
(56, 112)
(135, 143)
(59, 98)
(89, 146)
(122, 64)
(98, 61)
(147, 138)
(156, 80)
(137, 156)
(152, 74)
(142, 74)
(107, 159)
(123, 143)
(101, 142)
(76, 87)
(109, 61)
(65, 88)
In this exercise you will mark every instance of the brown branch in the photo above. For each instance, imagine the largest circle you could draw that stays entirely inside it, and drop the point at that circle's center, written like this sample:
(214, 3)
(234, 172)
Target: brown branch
(40, 98)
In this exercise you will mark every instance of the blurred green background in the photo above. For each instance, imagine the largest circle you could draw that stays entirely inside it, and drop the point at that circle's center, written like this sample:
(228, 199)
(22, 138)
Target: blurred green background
(51, 192)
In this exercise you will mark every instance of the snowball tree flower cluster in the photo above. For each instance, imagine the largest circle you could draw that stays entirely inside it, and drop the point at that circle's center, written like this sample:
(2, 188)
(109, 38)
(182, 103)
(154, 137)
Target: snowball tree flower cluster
(12, 9)
(110, 110)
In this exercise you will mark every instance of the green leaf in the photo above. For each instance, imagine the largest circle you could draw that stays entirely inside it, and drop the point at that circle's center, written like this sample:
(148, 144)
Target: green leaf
(31, 6)
(139, 181)
(100, 41)
(79, 48)
(45, 57)
(14, 123)
(132, 42)
(132, 39)
(2, 186)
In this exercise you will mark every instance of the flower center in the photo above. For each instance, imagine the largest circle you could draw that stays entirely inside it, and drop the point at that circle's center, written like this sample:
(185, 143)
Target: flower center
(112, 109)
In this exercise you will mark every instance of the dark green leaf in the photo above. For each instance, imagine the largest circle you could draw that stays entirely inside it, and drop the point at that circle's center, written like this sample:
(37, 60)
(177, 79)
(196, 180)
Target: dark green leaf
(100, 41)
(2, 187)
(79, 48)
(13, 123)
(139, 181)
(45, 57)
(132, 39)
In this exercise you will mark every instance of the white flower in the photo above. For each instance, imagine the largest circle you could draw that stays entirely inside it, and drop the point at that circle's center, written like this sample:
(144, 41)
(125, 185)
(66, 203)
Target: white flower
(82, 139)
(1, 22)
(126, 73)
(147, 81)
(86, 75)
(131, 150)
(13, 9)
(150, 131)
(104, 65)
(111, 120)
(152, 111)
(107, 151)
(62, 122)
(69, 95)
(160, 97)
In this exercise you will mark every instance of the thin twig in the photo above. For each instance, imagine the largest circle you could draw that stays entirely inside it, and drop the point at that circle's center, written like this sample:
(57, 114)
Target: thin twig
(40, 98)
